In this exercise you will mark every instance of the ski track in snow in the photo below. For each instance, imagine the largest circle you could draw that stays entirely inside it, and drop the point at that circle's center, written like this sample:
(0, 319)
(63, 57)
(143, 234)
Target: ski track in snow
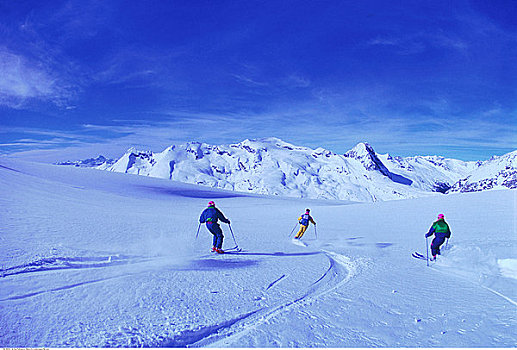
(511, 301)
(462, 277)
(451, 273)
(341, 269)
(501, 295)
(275, 282)
(60, 263)
(70, 286)
(47, 265)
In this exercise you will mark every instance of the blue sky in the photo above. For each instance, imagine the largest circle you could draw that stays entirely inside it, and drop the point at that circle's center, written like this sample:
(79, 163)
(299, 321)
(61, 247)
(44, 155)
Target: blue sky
(82, 77)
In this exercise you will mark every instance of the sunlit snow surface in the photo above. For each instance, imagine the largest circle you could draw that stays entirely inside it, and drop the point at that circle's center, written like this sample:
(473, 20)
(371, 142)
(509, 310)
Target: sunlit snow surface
(508, 267)
(98, 259)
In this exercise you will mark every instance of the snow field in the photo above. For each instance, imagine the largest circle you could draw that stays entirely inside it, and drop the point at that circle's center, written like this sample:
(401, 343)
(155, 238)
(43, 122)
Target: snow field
(93, 258)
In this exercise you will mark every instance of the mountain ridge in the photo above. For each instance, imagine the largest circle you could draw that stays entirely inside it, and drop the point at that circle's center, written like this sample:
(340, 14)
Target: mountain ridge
(275, 167)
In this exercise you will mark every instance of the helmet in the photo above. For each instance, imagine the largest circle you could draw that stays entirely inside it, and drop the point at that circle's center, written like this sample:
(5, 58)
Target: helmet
(307, 210)
(441, 216)
(211, 204)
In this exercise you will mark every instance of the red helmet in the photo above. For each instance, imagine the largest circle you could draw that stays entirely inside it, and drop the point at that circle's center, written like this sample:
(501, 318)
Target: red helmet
(211, 204)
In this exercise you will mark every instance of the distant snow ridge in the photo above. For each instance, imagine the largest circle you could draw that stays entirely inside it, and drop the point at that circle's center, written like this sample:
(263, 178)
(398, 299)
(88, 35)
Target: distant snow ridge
(274, 167)
(100, 162)
(495, 173)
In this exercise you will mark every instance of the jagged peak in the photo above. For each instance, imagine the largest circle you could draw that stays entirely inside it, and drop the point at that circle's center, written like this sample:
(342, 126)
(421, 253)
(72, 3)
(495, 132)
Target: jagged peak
(366, 154)
(360, 150)
(88, 162)
(507, 156)
(134, 150)
(193, 144)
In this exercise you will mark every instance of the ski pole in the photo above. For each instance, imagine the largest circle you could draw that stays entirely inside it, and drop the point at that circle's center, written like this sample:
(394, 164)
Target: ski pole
(293, 229)
(446, 243)
(315, 232)
(427, 250)
(234, 241)
(197, 233)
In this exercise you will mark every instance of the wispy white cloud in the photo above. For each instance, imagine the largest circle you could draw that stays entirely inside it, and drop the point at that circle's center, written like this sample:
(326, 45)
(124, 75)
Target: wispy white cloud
(385, 41)
(134, 77)
(115, 69)
(80, 19)
(248, 81)
(35, 67)
(419, 42)
(45, 133)
(38, 143)
(308, 126)
(23, 79)
(137, 67)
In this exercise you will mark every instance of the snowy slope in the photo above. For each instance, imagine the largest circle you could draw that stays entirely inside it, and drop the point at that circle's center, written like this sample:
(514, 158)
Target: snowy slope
(103, 259)
(272, 166)
(495, 173)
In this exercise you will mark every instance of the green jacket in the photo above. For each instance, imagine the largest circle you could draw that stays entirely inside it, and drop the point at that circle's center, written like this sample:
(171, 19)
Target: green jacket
(439, 227)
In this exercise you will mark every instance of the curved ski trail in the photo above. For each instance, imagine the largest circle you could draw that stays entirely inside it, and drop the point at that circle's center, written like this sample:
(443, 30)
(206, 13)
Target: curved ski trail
(341, 270)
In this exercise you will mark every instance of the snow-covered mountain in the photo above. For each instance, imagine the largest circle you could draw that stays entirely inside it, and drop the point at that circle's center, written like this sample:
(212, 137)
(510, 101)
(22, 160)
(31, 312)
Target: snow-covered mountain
(272, 166)
(433, 173)
(100, 162)
(495, 173)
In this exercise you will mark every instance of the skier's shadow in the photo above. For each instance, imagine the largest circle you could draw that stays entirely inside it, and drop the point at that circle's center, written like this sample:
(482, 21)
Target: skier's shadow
(383, 245)
(215, 261)
(210, 264)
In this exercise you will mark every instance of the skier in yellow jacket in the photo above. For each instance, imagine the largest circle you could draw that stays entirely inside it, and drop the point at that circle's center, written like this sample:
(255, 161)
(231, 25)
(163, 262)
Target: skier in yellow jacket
(304, 223)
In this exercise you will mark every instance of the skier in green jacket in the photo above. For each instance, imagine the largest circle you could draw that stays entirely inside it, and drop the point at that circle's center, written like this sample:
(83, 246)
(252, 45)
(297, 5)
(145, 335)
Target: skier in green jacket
(441, 230)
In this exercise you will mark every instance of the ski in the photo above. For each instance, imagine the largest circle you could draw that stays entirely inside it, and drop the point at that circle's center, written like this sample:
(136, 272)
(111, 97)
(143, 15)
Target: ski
(230, 250)
(417, 255)
(233, 249)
